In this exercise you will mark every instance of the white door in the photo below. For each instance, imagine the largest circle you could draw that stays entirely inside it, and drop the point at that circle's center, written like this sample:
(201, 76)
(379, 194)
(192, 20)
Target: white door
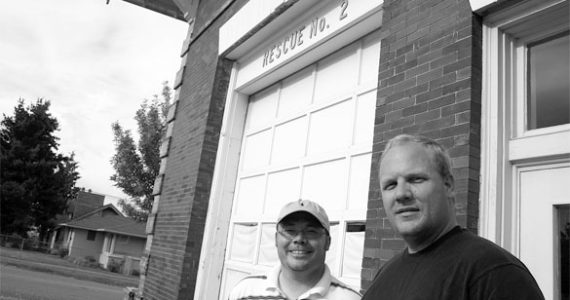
(308, 136)
(545, 225)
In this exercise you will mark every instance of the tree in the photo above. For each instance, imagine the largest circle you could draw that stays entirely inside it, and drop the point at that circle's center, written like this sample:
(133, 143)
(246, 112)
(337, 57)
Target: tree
(36, 182)
(136, 167)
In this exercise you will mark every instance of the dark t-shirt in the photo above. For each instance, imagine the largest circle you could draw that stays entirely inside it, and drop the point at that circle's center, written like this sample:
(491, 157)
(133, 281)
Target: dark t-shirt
(459, 265)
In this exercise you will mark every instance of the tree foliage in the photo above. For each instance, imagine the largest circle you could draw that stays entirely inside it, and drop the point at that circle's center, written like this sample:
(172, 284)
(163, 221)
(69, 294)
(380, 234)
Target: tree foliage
(36, 182)
(137, 165)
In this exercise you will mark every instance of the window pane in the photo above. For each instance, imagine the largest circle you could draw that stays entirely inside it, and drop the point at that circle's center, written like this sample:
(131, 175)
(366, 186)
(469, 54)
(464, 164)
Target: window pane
(353, 249)
(267, 252)
(333, 249)
(548, 82)
(564, 251)
(243, 242)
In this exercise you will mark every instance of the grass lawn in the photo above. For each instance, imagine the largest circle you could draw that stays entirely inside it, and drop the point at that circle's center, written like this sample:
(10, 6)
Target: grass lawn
(54, 264)
(33, 256)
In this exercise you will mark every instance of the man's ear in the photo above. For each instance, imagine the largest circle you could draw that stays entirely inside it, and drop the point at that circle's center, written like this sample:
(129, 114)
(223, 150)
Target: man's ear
(328, 243)
(449, 184)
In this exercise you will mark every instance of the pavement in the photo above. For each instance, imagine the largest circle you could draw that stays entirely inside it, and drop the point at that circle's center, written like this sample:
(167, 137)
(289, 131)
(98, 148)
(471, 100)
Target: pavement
(19, 283)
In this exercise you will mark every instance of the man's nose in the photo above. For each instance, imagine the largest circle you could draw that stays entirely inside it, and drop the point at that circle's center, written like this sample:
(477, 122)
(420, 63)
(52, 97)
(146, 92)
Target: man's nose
(300, 238)
(403, 192)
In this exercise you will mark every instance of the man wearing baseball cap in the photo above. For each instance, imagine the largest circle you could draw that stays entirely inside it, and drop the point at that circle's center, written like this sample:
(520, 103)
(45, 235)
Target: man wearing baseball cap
(302, 240)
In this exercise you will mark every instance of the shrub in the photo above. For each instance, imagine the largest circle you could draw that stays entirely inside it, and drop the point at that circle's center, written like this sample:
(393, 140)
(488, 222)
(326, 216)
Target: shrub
(115, 265)
(63, 252)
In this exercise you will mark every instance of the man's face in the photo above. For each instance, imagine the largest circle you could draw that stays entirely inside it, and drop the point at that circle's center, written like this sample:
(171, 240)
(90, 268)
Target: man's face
(301, 242)
(418, 201)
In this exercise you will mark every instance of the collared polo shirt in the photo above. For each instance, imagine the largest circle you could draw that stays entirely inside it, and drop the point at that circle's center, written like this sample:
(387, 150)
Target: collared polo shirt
(266, 287)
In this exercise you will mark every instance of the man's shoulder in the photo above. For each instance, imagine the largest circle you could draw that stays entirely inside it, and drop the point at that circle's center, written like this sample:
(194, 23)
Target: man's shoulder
(482, 248)
(252, 281)
(253, 287)
(483, 256)
(343, 291)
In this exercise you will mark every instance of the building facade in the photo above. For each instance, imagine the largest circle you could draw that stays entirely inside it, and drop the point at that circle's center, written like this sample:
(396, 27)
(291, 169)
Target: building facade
(281, 100)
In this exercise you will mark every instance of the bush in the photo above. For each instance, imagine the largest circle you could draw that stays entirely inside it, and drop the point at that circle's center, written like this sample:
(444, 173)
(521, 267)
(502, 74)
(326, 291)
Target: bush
(115, 265)
(62, 252)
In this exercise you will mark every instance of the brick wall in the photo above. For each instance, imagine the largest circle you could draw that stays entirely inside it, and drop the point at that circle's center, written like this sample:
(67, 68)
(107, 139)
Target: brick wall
(178, 224)
(429, 84)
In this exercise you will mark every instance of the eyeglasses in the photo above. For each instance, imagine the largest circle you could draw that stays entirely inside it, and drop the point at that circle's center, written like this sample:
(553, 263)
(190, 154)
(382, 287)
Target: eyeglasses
(309, 233)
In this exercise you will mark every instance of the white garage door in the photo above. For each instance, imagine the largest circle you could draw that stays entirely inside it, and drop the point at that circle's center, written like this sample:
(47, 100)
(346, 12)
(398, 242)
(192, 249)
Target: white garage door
(308, 136)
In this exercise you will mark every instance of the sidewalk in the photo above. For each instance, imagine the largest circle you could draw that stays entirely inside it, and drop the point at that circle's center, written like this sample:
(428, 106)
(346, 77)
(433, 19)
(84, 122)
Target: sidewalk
(53, 264)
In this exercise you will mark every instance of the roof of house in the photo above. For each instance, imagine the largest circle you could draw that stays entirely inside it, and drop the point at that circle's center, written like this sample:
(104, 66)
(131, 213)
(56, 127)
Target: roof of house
(108, 219)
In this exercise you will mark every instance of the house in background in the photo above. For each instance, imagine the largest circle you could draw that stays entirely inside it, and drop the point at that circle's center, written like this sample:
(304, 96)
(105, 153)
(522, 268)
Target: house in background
(83, 203)
(104, 234)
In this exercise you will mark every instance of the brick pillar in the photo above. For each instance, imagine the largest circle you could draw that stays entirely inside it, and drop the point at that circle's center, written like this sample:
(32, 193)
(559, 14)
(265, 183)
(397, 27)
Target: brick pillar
(429, 84)
(176, 226)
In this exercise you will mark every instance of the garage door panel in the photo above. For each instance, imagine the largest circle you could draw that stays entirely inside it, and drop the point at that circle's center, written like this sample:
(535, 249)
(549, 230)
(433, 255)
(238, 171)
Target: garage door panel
(365, 110)
(325, 183)
(289, 142)
(296, 93)
(282, 187)
(250, 196)
(330, 128)
(336, 75)
(358, 182)
(256, 151)
(262, 109)
(370, 60)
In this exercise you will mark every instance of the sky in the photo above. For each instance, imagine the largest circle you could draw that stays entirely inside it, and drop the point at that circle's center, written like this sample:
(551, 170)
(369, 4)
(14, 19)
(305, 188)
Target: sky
(95, 63)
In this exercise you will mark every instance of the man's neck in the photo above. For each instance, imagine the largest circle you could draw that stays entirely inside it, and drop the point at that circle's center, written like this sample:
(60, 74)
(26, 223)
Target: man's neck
(295, 283)
(416, 244)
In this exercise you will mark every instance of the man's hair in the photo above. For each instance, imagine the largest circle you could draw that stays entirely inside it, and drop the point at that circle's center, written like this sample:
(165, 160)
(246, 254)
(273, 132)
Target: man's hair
(441, 157)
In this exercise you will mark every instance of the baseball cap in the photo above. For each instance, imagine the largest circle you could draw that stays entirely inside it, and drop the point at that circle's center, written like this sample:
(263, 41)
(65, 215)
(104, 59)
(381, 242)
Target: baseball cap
(307, 206)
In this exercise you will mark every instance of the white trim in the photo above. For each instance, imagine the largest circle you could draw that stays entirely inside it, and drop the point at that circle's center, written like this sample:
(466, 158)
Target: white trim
(519, 12)
(253, 14)
(212, 255)
(506, 144)
(491, 115)
(71, 239)
(545, 145)
(253, 76)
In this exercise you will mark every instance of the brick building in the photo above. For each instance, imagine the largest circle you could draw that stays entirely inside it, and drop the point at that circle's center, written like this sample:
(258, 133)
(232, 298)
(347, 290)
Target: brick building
(280, 100)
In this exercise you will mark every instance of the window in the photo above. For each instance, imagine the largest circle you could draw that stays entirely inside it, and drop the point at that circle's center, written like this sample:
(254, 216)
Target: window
(91, 235)
(124, 239)
(548, 90)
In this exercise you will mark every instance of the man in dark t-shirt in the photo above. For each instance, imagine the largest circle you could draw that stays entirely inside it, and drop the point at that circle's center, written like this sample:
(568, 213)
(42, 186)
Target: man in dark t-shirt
(442, 260)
